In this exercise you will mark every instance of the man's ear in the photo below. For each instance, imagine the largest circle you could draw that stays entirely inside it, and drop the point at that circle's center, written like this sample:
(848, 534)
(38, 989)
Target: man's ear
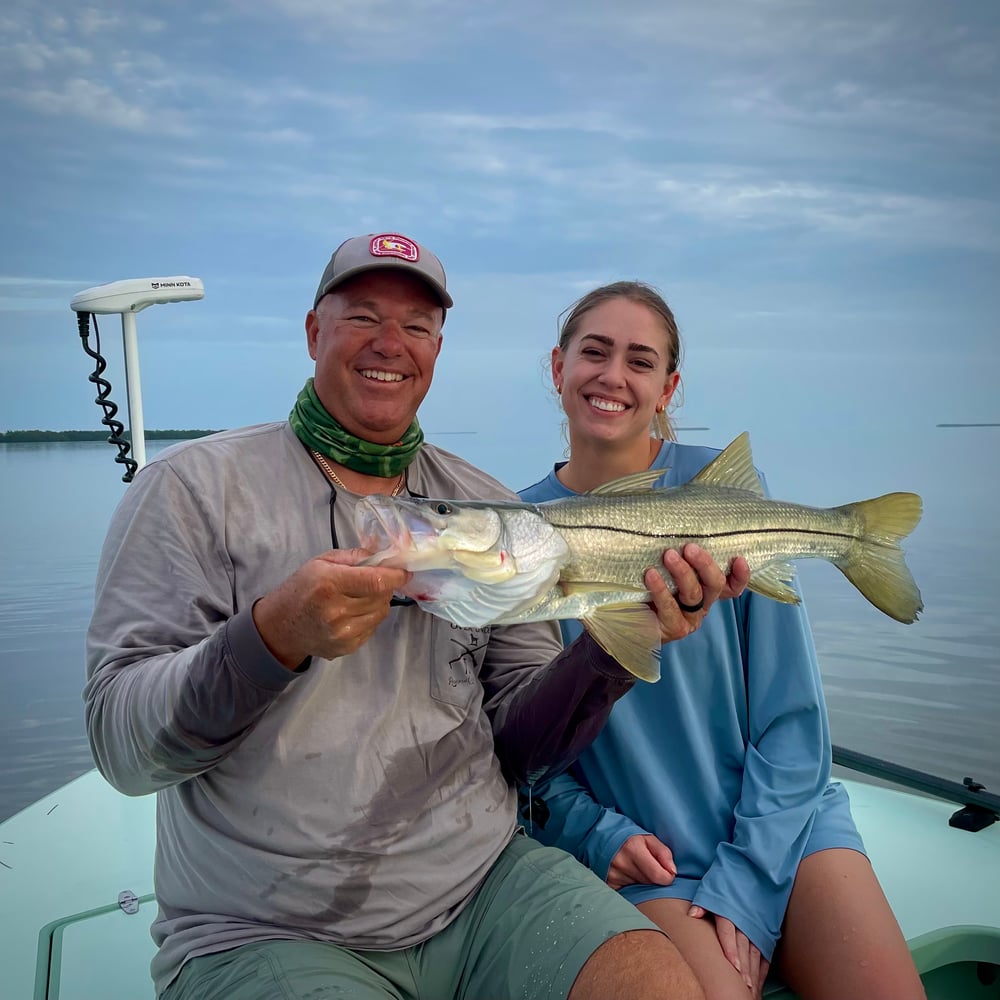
(312, 332)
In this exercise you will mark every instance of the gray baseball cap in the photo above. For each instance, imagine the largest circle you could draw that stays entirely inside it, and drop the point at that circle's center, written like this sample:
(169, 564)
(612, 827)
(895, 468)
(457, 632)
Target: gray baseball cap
(365, 253)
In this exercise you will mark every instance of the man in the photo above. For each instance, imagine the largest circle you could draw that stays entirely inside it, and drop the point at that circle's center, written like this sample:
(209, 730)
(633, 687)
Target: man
(335, 771)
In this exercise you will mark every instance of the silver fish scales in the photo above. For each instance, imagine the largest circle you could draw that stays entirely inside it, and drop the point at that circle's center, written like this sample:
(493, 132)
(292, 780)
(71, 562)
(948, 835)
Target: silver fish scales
(584, 556)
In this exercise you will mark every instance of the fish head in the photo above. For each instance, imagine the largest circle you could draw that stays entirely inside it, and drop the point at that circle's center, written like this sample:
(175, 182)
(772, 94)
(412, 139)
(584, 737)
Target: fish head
(418, 534)
(472, 561)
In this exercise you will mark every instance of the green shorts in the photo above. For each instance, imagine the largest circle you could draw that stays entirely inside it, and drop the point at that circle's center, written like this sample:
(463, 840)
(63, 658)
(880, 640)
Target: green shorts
(530, 928)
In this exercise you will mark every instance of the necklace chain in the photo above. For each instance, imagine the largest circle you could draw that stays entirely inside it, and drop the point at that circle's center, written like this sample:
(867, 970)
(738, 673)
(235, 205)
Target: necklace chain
(328, 469)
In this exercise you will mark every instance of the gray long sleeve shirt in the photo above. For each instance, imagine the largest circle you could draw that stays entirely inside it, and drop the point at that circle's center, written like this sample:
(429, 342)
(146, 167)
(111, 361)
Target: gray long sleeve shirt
(361, 801)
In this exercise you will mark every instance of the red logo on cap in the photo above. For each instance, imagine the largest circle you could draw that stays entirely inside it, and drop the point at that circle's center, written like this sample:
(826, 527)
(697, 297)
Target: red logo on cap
(394, 245)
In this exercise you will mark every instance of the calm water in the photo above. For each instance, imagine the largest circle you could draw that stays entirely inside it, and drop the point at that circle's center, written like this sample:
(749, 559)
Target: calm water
(926, 695)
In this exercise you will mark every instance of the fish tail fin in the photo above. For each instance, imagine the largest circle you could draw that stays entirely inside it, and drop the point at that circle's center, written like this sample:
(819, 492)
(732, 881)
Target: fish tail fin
(631, 634)
(876, 566)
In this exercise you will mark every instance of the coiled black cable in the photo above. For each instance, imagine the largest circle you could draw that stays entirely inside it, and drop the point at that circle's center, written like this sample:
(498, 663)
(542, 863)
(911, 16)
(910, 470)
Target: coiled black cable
(103, 399)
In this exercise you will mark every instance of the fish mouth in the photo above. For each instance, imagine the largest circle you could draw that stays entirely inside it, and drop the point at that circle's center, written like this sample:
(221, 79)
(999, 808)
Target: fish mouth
(424, 535)
(411, 533)
(382, 526)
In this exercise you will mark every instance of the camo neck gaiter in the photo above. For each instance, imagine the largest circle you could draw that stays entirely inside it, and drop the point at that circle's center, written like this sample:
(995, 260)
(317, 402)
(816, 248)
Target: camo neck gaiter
(316, 429)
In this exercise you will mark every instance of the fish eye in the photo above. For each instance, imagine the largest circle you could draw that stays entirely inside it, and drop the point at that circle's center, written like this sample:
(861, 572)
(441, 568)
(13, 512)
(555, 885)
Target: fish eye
(442, 508)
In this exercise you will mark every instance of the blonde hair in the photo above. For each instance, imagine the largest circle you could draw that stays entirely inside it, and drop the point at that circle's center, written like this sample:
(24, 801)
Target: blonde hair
(644, 295)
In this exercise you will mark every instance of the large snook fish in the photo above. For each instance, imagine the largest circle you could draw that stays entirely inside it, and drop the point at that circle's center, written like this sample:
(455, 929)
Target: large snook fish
(479, 563)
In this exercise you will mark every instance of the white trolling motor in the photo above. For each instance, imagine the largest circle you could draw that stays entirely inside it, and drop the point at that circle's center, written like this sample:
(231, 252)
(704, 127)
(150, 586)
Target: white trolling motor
(127, 297)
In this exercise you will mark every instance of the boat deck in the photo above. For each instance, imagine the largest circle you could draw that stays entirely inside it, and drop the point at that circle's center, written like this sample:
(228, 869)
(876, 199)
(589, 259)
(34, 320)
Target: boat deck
(67, 858)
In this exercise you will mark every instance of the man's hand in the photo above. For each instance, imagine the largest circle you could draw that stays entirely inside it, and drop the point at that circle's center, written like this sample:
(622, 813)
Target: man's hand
(700, 583)
(643, 859)
(329, 607)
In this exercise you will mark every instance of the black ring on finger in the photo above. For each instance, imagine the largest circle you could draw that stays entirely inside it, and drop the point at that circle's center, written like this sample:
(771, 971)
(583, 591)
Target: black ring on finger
(690, 608)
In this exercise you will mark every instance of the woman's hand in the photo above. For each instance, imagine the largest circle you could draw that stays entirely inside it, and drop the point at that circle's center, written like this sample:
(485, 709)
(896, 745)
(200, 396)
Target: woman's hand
(643, 859)
(741, 952)
(700, 583)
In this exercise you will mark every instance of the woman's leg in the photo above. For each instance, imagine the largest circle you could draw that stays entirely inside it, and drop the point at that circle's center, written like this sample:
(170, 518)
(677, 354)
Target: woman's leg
(697, 942)
(840, 938)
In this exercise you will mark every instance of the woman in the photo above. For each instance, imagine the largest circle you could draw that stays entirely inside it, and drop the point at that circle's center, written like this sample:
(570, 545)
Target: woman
(707, 798)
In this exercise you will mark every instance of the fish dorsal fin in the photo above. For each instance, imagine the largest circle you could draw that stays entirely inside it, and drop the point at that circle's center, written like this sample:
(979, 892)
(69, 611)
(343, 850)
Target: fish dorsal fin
(637, 482)
(732, 467)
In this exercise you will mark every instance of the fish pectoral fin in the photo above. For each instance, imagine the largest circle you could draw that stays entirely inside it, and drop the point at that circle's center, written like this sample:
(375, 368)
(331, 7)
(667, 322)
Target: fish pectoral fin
(733, 466)
(775, 581)
(637, 482)
(631, 634)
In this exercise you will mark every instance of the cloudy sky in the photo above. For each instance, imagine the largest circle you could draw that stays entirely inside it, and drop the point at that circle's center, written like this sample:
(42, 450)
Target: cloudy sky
(813, 185)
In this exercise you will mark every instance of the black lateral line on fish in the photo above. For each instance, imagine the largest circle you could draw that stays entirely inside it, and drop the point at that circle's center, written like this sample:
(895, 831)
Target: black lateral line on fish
(706, 534)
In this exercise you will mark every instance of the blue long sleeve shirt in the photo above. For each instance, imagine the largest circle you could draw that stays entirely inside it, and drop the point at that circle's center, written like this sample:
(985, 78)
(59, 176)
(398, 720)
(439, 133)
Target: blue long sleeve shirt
(726, 759)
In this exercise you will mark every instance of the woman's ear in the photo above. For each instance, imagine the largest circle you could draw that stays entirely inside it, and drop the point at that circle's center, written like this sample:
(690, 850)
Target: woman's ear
(669, 388)
(557, 368)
